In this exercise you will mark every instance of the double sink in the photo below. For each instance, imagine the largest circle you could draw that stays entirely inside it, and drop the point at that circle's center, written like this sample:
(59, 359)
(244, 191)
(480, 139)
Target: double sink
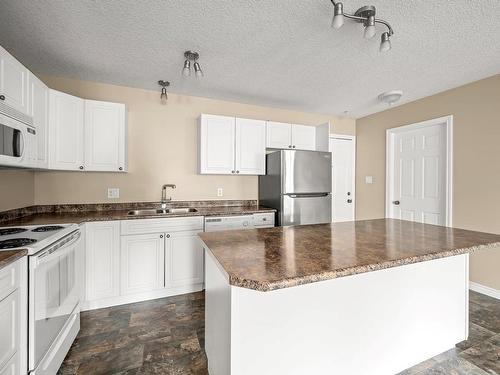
(162, 211)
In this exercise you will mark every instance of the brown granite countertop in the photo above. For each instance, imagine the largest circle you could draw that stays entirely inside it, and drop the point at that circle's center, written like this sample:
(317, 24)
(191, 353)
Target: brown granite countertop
(9, 256)
(281, 257)
(79, 217)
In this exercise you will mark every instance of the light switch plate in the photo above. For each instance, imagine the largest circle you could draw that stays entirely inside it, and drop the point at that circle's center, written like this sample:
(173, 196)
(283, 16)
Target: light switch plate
(220, 192)
(113, 193)
(369, 179)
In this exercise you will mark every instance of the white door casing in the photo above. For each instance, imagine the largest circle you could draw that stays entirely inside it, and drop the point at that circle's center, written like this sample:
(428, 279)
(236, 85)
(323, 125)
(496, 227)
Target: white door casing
(419, 172)
(343, 148)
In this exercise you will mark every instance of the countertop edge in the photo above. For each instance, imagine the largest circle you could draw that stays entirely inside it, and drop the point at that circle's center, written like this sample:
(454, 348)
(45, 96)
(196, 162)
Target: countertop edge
(263, 286)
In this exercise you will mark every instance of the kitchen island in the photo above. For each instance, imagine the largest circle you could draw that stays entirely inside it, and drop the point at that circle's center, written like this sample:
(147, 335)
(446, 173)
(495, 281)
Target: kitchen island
(364, 297)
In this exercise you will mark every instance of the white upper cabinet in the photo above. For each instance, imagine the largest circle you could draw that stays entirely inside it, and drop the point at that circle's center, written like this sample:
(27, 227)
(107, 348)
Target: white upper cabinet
(39, 108)
(216, 144)
(279, 135)
(105, 136)
(13, 82)
(303, 137)
(250, 147)
(290, 136)
(65, 131)
(229, 145)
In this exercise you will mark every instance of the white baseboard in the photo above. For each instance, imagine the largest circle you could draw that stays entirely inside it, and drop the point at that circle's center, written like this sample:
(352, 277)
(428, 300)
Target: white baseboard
(495, 293)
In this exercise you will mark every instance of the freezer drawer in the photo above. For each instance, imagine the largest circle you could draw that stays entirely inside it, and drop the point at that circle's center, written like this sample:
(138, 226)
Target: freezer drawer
(306, 172)
(301, 209)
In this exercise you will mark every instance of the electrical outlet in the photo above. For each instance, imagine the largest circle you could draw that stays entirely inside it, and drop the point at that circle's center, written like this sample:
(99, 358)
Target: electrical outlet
(368, 179)
(220, 192)
(113, 193)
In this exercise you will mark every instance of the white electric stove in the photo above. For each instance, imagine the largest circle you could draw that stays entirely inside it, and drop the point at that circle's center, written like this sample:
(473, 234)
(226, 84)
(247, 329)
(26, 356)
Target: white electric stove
(55, 280)
(33, 237)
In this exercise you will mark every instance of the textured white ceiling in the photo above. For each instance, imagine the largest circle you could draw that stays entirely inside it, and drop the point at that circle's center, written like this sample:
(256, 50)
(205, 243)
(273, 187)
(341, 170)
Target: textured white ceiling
(279, 53)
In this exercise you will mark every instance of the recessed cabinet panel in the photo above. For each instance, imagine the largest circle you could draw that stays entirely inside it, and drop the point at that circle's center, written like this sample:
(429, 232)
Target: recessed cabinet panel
(142, 263)
(250, 147)
(183, 259)
(13, 82)
(216, 137)
(102, 244)
(104, 136)
(278, 135)
(9, 327)
(39, 109)
(303, 137)
(65, 131)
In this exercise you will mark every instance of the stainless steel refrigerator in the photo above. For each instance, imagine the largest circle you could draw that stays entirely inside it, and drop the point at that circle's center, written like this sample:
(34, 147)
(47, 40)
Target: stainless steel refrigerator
(298, 184)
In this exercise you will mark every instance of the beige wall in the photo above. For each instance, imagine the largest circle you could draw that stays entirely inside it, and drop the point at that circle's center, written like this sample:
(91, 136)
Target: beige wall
(476, 122)
(162, 148)
(16, 189)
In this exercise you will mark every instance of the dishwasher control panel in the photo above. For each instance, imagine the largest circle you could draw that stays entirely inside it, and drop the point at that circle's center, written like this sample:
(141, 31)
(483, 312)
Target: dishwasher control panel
(263, 220)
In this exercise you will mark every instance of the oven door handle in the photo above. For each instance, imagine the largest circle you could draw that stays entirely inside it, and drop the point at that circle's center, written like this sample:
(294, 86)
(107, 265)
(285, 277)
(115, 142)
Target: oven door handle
(58, 249)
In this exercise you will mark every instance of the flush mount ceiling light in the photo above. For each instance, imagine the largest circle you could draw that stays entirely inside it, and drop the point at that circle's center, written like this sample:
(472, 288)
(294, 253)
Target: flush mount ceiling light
(186, 70)
(390, 97)
(163, 95)
(366, 16)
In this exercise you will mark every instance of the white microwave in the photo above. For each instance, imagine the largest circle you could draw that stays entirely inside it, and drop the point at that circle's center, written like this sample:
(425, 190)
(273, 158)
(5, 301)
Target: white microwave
(18, 145)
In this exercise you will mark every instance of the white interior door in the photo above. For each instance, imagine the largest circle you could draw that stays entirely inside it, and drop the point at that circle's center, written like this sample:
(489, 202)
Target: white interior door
(343, 164)
(418, 173)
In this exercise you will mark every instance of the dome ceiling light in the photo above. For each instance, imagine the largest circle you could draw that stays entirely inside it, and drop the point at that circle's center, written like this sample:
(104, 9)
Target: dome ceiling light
(390, 97)
(366, 16)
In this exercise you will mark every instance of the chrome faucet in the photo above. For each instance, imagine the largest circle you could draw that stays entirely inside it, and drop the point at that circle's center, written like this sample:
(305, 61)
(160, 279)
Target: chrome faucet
(164, 199)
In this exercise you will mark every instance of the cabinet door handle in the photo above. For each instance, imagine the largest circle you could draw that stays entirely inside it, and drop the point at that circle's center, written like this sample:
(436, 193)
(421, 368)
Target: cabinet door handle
(2, 97)
(289, 146)
(120, 169)
(161, 235)
(293, 146)
(237, 171)
(168, 235)
(80, 167)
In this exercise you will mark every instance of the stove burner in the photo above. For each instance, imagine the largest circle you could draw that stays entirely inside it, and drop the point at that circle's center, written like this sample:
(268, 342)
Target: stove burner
(16, 242)
(7, 231)
(47, 228)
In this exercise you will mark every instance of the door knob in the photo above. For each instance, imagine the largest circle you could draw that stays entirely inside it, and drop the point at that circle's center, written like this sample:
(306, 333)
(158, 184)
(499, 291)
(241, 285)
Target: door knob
(395, 203)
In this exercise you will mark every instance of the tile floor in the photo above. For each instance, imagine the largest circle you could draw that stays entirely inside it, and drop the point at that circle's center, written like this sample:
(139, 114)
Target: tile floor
(165, 336)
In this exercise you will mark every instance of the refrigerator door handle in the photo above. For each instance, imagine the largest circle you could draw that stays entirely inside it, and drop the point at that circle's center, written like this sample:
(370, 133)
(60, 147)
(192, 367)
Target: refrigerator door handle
(311, 195)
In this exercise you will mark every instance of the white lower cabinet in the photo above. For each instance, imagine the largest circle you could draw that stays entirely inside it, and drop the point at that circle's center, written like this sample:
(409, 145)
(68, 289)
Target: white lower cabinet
(142, 263)
(183, 259)
(13, 318)
(102, 260)
(134, 260)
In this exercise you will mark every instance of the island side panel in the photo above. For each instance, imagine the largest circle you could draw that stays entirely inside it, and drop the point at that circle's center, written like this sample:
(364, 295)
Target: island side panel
(379, 322)
(217, 317)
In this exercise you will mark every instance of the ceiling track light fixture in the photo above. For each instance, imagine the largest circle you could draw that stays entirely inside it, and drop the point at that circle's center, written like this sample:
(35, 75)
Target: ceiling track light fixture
(366, 16)
(163, 95)
(186, 70)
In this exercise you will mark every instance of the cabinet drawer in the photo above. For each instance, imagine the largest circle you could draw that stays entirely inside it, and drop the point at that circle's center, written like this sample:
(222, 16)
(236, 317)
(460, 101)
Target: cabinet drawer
(9, 279)
(264, 219)
(174, 224)
(9, 328)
